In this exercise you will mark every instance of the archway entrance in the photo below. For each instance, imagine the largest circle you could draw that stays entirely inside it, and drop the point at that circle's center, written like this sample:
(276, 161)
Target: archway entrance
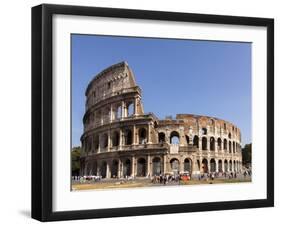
(142, 136)
(213, 165)
(141, 167)
(188, 165)
(230, 166)
(225, 166)
(114, 169)
(156, 166)
(220, 165)
(175, 138)
(205, 166)
(127, 168)
(103, 169)
(175, 166)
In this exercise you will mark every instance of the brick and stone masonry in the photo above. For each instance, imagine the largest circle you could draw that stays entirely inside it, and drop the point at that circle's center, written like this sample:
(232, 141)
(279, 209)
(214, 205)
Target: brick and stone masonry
(121, 140)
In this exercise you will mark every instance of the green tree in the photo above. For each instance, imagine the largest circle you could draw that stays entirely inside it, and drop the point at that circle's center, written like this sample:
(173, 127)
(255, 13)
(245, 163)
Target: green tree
(75, 160)
(247, 154)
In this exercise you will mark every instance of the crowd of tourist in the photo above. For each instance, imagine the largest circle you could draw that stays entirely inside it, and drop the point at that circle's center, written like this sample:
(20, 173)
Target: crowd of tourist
(171, 178)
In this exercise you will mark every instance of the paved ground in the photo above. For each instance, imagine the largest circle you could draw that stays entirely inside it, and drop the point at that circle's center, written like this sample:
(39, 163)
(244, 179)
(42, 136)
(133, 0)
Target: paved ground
(115, 183)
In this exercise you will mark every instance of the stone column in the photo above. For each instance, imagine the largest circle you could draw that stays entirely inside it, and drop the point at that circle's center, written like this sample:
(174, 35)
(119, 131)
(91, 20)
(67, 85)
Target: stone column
(217, 165)
(165, 163)
(209, 165)
(111, 114)
(122, 109)
(148, 134)
(222, 165)
(133, 166)
(108, 170)
(120, 139)
(108, 141)
(181, 166)
(135, 106)
(99, 139)
(134, 134)
(119, 168)
(149, 165)
(216, 145)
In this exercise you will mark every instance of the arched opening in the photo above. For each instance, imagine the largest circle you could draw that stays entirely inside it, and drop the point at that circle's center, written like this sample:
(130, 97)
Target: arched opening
(156, 166)
(115, 139)
(225, 166)
(174, 138)
(118, 113)
(213, 165)
(96, 143)
(229, 135)
(104, 141)
(229, 146)
(141, 167)
(161, 137)
(103, 169)
(212, 143)
(94, 168)
(127, 168)
(205, 166)
(188, 165)
(196, 141)
(198, 165)
(233, 147)
(204, 143)
(230, 166)
(175, 165)
(130, 109)
(225, 144)
(219, 144)
(114, 169)
(204, 131)
(98, 117)
(187, 139)
(220, 165)
(106, 115)
(128, 137)
(142, 136)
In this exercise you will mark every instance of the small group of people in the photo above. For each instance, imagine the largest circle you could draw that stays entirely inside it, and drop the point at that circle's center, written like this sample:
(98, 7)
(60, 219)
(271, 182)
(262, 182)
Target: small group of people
(83, 179)
(225, 175)
(166, 179)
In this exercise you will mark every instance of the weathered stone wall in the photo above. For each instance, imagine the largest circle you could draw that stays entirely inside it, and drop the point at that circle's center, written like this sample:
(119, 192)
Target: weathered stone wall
(121, 140)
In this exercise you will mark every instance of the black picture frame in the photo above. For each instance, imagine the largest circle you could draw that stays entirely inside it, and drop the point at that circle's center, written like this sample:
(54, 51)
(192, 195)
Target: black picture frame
(42, 111)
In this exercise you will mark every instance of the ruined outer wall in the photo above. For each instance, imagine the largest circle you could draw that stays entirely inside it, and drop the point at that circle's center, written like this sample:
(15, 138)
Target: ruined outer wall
(121, 140)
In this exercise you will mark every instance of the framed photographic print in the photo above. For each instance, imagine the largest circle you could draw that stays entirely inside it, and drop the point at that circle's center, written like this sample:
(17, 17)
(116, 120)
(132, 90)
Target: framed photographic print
(145, 112)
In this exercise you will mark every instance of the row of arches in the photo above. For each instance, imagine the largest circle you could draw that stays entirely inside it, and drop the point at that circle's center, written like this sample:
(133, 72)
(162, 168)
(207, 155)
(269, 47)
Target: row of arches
(222, 144)
(142, 168)
(115, 139)
(112, 112)
(124, 168)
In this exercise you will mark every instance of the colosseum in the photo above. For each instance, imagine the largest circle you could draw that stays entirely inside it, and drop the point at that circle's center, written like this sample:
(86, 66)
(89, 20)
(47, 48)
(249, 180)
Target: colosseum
(121, 140)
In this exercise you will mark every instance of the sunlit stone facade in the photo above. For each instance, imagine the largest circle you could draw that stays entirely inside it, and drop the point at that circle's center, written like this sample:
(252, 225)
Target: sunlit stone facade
(121, 140)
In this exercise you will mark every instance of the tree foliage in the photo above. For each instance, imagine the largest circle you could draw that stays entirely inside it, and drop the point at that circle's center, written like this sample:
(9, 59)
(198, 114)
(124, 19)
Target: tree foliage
(247, 154)
(75, 160)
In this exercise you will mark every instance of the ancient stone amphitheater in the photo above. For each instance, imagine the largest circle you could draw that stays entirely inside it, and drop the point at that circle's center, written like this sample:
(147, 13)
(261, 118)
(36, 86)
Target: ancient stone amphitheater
(121, 140)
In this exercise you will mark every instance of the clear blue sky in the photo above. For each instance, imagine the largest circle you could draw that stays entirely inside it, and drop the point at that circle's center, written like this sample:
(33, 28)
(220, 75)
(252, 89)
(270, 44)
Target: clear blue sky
(176, 76)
